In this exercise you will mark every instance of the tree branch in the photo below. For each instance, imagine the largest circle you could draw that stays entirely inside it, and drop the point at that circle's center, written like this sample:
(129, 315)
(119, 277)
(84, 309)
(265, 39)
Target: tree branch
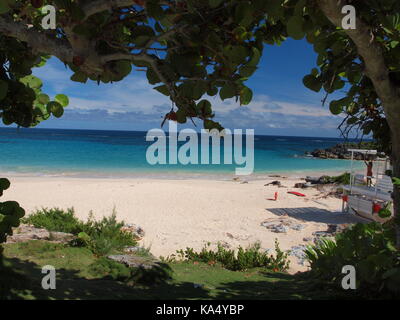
(40, 42)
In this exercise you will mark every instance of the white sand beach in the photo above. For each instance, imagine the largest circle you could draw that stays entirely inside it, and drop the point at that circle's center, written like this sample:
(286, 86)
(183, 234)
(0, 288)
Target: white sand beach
(176, 214)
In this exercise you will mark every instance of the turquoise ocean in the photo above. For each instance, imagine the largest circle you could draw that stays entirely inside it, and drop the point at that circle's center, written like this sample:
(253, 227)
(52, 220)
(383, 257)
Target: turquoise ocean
(97, 153)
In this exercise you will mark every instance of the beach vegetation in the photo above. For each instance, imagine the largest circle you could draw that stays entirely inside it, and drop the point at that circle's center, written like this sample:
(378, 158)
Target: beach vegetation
(341, 179)
(102, 237)
(105, 236)
(370, 248)
(55, 219)
(243, 259)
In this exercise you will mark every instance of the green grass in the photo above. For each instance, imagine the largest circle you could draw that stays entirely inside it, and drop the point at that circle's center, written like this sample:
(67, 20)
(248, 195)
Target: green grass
(81, 275)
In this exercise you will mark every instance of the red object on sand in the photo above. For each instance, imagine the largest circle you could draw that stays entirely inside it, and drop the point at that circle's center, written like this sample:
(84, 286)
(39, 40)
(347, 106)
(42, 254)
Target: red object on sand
(297, 193)
(376, 207)
(276, 196)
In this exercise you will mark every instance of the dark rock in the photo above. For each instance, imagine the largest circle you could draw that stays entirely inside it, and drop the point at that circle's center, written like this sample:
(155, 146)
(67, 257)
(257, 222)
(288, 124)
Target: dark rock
(274, 183)
(135, 261)
(299, 185)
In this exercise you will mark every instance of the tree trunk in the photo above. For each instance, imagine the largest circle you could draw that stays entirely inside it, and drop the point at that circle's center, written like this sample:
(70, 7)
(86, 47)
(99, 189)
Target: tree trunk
(376, 69)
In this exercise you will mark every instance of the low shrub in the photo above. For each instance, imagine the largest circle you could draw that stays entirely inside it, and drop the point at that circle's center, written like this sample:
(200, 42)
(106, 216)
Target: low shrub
(341, 179)
(105, 236)
(55, 219)
(243, 259)
(101, 237)
(370, 249)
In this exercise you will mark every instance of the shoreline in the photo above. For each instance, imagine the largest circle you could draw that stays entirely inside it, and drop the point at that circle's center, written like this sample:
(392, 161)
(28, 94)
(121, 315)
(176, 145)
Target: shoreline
(179, 174)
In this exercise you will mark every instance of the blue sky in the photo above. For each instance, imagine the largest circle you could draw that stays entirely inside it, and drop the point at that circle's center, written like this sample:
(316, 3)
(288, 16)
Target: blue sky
(281, 104)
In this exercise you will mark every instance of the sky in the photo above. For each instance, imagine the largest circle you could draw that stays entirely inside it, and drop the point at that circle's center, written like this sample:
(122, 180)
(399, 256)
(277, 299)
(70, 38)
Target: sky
(281, 104)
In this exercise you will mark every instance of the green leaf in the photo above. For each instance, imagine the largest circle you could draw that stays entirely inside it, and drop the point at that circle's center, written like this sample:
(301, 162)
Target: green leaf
(32, 82)
(181, 116)
(295, 27)
(62, 99)
(4, 184)
(152, 76)
(245, 96)
(227, 91)
(43, 98)
(200, 88)
(9, 207)
(352, 120)
(244, 14)
(121, 69)
(335, 107)
(236, 54)
(163, 89)
(186, 89)
(3, 89)
(311, 82)
(79, 77)
(209, 124)
(212, 91)
(247, 71)
(384, 213)
(55, 108)
(255, 58)
(205, 107)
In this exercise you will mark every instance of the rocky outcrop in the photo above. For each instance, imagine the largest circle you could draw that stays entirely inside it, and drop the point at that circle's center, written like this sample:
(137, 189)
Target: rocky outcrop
(340, 151)
(27, 232)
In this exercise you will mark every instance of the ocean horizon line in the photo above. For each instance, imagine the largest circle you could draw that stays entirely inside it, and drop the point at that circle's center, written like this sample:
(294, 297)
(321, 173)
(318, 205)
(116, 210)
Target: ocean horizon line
(354, 139)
